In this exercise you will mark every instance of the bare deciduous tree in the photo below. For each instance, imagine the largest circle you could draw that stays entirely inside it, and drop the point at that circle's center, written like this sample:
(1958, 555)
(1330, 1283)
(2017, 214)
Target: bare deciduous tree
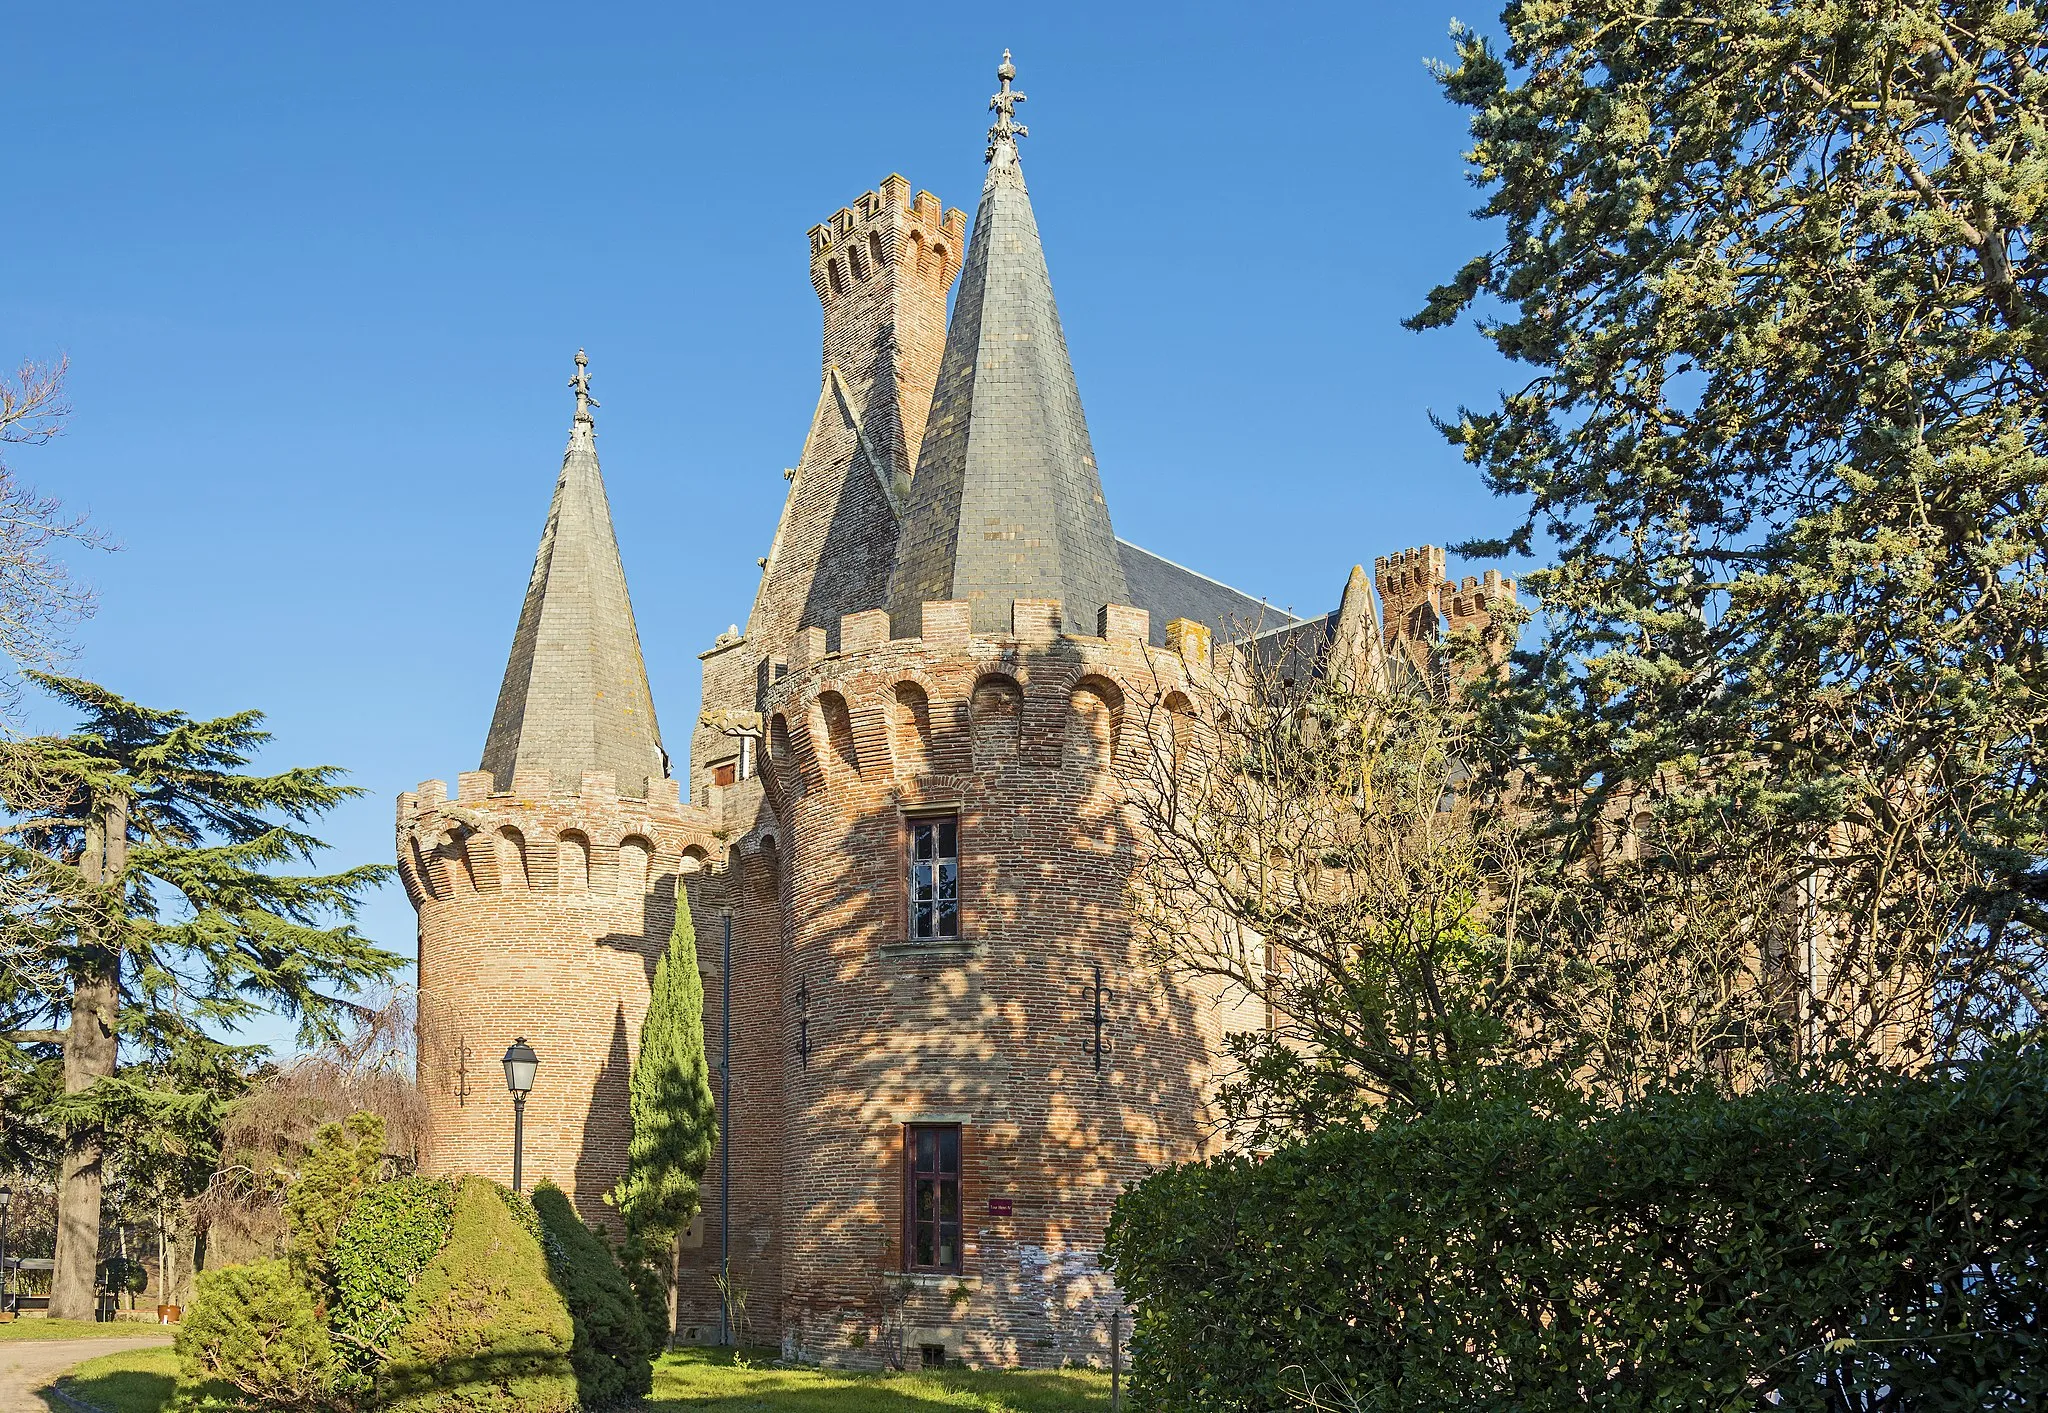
(270, 1130)
(39, 603)
(39, 598)
(1313, 837)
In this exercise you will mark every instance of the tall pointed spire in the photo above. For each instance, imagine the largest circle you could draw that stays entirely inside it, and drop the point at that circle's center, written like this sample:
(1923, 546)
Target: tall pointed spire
(575, 697)
(1006, 503)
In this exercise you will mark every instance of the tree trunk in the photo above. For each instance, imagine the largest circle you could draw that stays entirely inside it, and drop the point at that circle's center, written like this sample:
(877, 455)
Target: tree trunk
(91, 1050)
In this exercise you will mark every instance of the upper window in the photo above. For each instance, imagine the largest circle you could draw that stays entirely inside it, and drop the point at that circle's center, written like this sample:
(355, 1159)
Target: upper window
(935, 877)
(933, 1157)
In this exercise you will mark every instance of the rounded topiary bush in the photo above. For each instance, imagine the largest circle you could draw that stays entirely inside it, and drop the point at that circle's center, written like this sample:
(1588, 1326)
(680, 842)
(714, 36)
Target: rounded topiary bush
(610, 1351)
(483, 1327)
(251, 1329)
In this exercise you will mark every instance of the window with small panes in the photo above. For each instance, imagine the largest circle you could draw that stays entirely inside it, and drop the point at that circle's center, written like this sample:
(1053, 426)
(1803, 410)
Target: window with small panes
(932, 1158)
(934, 878)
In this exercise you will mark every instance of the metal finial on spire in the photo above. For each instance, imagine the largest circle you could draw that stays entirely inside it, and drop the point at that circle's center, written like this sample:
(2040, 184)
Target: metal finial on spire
(1003, 135)
(581, 382)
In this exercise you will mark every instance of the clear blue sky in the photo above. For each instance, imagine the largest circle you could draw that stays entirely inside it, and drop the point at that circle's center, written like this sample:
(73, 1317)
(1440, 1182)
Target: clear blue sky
(321, 276)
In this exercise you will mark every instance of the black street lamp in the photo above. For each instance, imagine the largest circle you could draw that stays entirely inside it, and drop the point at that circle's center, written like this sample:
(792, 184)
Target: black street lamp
(6, 1201)
(520, 1063)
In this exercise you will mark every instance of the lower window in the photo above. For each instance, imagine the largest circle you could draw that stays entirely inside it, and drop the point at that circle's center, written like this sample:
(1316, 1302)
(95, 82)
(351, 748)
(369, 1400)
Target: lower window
(932, 1157)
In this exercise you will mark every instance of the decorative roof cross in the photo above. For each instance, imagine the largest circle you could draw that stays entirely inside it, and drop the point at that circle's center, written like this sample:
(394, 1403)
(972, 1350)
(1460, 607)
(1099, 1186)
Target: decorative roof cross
(581, 382)
(1002, 137)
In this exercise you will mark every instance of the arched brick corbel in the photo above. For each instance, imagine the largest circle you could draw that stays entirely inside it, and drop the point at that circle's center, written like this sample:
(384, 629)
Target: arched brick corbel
(482, 850)
(871, 744)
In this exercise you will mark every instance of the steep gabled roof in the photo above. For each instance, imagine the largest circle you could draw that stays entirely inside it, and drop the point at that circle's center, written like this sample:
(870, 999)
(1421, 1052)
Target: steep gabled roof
(1006, 502)
(1168, 591)
(575, 696)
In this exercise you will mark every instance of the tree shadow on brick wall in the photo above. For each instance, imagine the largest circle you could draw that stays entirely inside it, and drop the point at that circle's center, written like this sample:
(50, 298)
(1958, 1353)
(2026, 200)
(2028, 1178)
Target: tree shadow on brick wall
(600, 1163)
(657, 919)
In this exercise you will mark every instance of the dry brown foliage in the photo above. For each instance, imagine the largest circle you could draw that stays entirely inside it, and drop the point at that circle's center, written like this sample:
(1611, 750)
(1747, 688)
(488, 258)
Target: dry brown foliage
(270, 1130)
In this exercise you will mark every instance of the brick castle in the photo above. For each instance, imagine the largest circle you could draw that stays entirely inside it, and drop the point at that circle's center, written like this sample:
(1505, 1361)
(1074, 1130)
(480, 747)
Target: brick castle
(901, 803)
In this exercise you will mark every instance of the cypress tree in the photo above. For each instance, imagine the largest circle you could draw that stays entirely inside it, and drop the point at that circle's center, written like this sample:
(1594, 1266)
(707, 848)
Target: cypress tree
(675, 1119)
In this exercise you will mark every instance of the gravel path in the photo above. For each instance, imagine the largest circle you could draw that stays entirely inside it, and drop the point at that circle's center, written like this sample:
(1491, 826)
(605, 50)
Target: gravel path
(27, 1365)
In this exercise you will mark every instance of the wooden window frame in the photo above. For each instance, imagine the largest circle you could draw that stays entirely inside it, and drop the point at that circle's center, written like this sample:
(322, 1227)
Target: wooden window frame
(912, 822)
(957, 1177)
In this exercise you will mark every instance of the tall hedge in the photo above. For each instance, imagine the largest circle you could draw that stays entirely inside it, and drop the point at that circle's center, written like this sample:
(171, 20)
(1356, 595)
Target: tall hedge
(343, 1162)
(1823, 1249)
(484, 1330)
(610, 1349)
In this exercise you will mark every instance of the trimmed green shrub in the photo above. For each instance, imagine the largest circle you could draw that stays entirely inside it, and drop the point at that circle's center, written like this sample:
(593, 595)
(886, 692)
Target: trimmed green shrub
(483, 1327)
(391, 1233)
(610, 1349)
(252, 1329)
(342, 1163)
(1795, 1248)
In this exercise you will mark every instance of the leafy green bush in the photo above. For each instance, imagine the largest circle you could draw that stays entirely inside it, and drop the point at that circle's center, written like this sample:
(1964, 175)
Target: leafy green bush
(253, 1330)
(483, 1327)
(392, 1232)
(610, 1349)
(1796, 1248)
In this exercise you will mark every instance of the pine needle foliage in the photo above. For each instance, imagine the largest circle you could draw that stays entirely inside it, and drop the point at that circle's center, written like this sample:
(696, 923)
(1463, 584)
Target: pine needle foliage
(342, 1164)
(675, 1118)
(1774, 269)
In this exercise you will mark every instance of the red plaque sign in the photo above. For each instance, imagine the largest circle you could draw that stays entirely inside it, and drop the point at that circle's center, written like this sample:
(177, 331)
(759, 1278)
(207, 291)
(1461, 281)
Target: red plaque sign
(999, 1206)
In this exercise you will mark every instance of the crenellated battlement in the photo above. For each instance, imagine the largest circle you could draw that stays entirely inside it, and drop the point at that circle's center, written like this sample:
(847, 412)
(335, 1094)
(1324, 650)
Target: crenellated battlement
(486, 842)
(1471, 603)
(883, 233)
(948, 702)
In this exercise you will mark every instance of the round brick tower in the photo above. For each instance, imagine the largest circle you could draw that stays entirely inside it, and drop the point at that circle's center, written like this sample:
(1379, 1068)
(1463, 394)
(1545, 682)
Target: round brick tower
(542, 915)
(922, 1036)
(546, 889)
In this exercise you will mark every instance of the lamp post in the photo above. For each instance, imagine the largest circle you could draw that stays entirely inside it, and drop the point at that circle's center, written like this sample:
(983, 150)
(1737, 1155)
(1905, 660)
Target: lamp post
(520, 1063)
(6, 1201)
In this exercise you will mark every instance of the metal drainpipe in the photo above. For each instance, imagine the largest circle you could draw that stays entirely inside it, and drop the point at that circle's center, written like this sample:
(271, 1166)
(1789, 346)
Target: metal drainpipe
(725, 1330)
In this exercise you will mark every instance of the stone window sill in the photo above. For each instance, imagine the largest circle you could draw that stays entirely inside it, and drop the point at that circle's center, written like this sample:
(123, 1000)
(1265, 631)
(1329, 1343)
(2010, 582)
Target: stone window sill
(934, 1280)
(952, 947)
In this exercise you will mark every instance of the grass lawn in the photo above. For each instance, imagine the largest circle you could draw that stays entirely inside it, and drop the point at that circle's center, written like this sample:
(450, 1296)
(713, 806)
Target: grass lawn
(140, 1381)
(708, 1379)
(38, 1327)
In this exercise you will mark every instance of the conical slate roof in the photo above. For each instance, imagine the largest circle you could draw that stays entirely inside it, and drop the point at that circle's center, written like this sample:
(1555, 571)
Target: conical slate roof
(1006, 503)
(575, 697)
